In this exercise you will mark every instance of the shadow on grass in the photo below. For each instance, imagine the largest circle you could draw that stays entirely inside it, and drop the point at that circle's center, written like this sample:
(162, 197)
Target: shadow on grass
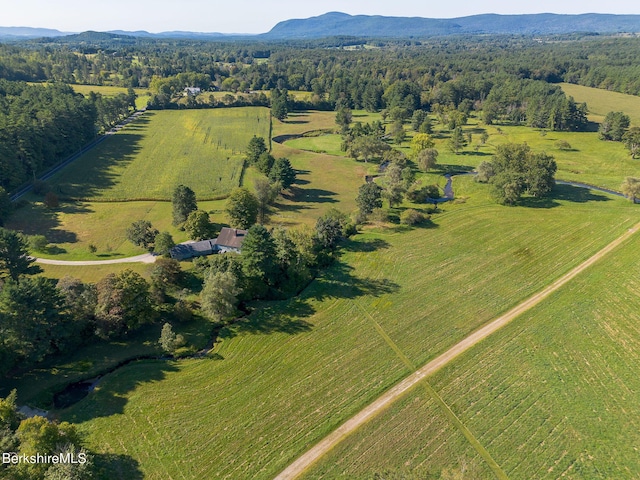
(94, 176)
(445, 168)
(111, 395)
(368, 245)
(298, 195)
(273, 317)
(34, 219)
(567, 193)
(117, 467)
(339, 282)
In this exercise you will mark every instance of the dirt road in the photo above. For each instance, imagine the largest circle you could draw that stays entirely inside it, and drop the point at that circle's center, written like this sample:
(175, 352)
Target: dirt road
(326, 444)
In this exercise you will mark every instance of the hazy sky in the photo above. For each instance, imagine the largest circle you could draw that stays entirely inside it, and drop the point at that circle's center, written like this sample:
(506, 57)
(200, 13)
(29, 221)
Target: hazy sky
(258, 16)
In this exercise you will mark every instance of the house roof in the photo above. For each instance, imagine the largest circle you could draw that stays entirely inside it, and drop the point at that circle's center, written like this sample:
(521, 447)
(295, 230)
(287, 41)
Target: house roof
(194, 249)
(231, 237)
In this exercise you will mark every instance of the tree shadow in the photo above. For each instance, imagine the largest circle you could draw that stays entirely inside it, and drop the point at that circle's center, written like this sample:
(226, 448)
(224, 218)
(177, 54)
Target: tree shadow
(273, 317)
(313, 195)
(572, 193)
(117, 467)
(34, 219)
(475, 154)
(448, 169)
(95, 176)
(562, 192)
(365, 245)
(110, 395)
(338, 281)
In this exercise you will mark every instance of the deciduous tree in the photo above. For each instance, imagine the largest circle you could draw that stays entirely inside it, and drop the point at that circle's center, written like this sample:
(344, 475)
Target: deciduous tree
(242, 208)
(369, 197)
(142, 234)
(631, 188)
(199, 226)
(184, 202)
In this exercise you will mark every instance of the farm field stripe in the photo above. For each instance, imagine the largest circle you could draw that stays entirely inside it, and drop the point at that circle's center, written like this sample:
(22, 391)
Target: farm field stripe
(312, 455)
(468, 434)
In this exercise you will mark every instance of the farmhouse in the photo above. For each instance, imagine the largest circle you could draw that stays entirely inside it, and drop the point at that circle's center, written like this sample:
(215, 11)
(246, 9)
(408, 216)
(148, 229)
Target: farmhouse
(229, 240)
(191, 91)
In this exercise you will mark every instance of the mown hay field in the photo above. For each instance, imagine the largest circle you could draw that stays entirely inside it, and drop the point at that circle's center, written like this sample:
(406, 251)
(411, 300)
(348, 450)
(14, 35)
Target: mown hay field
(146, 160)
(552, 395)
(601, 102)
(292, 372)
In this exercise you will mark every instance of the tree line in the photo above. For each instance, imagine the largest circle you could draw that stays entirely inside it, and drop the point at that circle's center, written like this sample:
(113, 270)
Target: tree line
(42, 125)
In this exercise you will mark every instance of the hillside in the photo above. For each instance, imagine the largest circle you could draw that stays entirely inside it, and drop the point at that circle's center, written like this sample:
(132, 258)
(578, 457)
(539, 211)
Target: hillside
(336, 23)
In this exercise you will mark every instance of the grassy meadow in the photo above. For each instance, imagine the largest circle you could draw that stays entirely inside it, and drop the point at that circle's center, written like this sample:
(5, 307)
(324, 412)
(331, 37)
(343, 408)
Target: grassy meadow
(142, 97)
(552, 395)
(147, 159)
(601, 102)
(287, 375)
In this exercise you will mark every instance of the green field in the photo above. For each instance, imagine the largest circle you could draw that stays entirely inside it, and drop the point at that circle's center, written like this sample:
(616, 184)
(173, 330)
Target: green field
(146, 160)
(329, 143)
(288, 375)
(590, 160)
(552, 395)
(74, 226)
(142, 94)
(601, 102)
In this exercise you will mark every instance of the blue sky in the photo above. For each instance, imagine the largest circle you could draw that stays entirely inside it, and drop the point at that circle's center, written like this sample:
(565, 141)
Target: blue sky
(253, 16)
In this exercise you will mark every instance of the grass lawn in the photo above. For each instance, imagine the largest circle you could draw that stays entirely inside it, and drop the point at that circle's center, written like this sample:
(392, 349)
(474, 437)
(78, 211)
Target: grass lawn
(295, 370)
(147, 159)
(74, 226)
(552, 395)
(329, 143)
(324, 180)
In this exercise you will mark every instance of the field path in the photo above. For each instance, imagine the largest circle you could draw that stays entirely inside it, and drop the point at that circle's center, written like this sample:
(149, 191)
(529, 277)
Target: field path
(307, 459)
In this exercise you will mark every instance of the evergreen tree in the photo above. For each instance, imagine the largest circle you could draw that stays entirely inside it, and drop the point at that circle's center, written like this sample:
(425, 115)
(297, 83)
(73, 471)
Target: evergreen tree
(255, 148)
(259, 260)
(283, 173)
(279, 103)
(14, 256)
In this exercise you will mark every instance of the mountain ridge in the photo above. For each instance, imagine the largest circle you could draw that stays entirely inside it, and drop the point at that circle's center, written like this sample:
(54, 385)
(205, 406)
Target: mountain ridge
(338, 23)
(342, 24)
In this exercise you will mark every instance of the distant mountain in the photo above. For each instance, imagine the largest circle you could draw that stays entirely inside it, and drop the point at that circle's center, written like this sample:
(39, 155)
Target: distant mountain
(336, 23)
(29, 32)
(173, 34)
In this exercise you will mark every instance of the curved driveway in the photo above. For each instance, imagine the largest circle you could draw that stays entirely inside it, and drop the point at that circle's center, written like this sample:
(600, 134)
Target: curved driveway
(144, 258)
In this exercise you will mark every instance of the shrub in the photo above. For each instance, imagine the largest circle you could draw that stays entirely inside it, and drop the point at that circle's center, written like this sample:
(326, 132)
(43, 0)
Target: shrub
(51, 200)
(378, 215)
(40, 187)
(563, 145)
(38, 243)
(412, 217)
